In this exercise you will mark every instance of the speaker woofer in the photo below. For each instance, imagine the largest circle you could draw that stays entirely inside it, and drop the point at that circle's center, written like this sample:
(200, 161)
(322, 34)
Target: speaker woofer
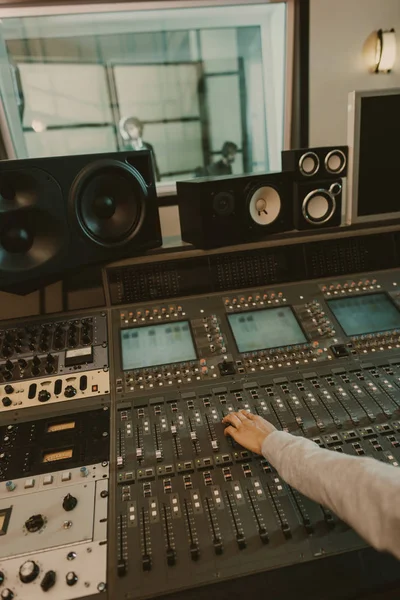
(108, 199)
(17, 191)
(29, 238)
(318, 207)
(265, 205)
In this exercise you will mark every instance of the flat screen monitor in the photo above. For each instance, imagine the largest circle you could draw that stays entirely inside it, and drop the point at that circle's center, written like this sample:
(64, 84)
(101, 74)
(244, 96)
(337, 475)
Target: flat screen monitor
(373, 139)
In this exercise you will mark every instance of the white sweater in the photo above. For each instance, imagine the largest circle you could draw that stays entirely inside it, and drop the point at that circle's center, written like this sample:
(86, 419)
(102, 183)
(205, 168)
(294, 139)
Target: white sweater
(364, 492)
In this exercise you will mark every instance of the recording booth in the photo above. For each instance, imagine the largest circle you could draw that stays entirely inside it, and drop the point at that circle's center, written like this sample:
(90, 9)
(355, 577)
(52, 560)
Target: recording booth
(199, 215)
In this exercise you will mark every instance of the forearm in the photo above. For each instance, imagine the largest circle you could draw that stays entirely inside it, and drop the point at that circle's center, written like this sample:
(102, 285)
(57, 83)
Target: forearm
(361, 491)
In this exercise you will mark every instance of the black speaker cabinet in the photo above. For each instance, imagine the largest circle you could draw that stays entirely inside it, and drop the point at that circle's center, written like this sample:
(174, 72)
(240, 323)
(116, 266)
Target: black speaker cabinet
(222, 211)
(317, 204)
(62, 213)
(319, 163)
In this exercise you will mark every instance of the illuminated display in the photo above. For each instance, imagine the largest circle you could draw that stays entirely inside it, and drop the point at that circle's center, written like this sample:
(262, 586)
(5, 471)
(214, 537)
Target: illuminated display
(157, 345)
(60, 427)
(365, 314)
(57, 455)
(265, 329)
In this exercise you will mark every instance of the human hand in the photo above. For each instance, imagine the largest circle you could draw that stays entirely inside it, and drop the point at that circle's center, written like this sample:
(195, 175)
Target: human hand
(247, 429)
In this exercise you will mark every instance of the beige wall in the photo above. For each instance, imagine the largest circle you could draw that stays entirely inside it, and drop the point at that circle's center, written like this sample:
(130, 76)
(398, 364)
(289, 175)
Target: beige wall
(338, 30)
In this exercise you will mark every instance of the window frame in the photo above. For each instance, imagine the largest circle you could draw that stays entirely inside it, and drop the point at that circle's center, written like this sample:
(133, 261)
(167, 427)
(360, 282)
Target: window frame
(31, 9)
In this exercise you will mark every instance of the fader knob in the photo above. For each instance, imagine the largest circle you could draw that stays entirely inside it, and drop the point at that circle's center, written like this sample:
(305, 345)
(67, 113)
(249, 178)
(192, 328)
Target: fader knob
(34, 523)
(8, 389)
(44, 396)
(7, 594)
(70, 391)
(146, 562)
(69, 502)
(71, 578)
(171, 557)
(28, 571)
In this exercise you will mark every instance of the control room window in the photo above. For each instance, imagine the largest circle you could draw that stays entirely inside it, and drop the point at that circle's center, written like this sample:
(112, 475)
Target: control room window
(204, 86)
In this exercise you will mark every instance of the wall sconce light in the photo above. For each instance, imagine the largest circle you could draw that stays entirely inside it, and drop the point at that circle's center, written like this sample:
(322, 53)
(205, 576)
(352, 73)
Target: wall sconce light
(385, 51)
(380, 51)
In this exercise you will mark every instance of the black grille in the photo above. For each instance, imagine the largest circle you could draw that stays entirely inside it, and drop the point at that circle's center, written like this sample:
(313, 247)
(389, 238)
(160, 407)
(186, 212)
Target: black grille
(254, 268)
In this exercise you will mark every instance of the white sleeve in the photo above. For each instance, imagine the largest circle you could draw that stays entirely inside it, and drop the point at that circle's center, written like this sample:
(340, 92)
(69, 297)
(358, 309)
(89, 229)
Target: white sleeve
(364, 492)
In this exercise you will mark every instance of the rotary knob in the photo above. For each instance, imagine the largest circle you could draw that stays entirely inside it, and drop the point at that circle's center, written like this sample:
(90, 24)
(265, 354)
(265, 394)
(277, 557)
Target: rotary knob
(34, 523)
(28, 571)
(70, 391)
(44, 396)
(50, 359)
(71, 578)
(9, 365)
(6, 401)
(7, 594)
(8, 389)
(69, 502)
(1, 577)
(22, 363)
(6, 351)
(36, 361)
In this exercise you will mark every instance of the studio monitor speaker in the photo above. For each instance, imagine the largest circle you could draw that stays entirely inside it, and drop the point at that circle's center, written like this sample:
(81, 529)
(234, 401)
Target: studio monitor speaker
(317, 204)
(221, 211)
(62, 213)
(321, 163)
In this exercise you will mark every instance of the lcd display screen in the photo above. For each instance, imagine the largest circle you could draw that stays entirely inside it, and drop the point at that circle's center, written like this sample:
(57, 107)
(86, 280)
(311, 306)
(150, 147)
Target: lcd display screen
(265, 329)
(157, 345)
(369, 313)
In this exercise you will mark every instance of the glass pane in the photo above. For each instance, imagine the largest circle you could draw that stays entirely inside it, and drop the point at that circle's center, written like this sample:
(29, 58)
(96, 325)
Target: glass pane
(204, 88)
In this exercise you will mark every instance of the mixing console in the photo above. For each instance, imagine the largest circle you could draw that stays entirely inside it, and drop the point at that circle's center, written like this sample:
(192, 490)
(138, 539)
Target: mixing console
(188, 506)
(320, 360)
